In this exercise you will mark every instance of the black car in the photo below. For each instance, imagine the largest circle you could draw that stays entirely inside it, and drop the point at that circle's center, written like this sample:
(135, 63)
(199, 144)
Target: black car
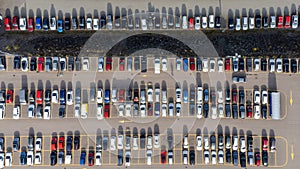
(234, 111)
(235, 158)
(264, 64)
(74, 23)
(81, 22)
(129, 95)
(62, 111)
(265, 22)
(117, 22)
(142, 138)
(227, 110)
(228, 156)
(242, 111)
(69, 143)
(199, 64)
(192, 157)
(241, 64)
(136, 63)
(53, 158)
(250, 143)
(205, 110)
(78, 63)
(230, 24)
(124, 22)
(17, 62)
(46, 23)
(293, 66)
(218, 22)
(265, 158)
(70, 63)
(264, 111)
(243, 160)
(227, 95)
(67, 23)
(249, 64)
(241, 96)
(144, 64)
(286, 65)
(102, 22)
(257, 21)
(76, 142)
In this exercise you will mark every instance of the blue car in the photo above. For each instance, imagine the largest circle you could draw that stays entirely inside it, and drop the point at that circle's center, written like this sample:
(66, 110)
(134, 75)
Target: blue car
(38, 23)
(107, 96)
(60, 26)
(23, 158)
(185, 64)
(46, 23)
(82, 158)
(62, 97)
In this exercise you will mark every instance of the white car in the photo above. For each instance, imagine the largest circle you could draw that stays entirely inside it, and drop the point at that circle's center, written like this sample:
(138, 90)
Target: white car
(95, 23)
(31, 111)
(135, 145)
(54, 98)
(272, 65)
(16, 112)
(204, 22)
(185, 142)
(197, 23)
(235, 63)
(143, 110)
(2, 111)
(30, 158)
(171, 109)
(221, 156)
(251, 22)
(220, 95)
(211, 21)
(256, 64)
(113, 143)
(206, 157)
(245, 23)
(220, 65)
(22, 24)
(264, 95)
(205, 65)
(199, 143)
(98, 160)
(214, 112)
(68, 158)
(24, 64)
(279, 65)
(89, 23)
(272, 22)
(144, 24)
(85, 64)
(256, 97)
(199, 110)
(121, 110)
(149, 142)
(100, 64)
(100, 95)
(99, 112)
(206, 143)
(38, 144)
(8, 159)
(235, 143)
(178, 109)
(295, 21)
(150, 95)
(38, 158)
(1, 160)
(164, 64)
(221, 110)
(184, 22)
(156, 141)
(149, 157)
(164, 110)
(69, 97)
(52, 23)
(242, 144)
(120, 142)
(128, 110)
(238, 24)
(178, 95)
(257, 112)
(212, 66)
(47, 112)
(62, 62)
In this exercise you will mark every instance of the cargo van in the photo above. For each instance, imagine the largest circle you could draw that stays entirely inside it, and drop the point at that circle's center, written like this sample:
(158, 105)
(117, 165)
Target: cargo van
(23, 96)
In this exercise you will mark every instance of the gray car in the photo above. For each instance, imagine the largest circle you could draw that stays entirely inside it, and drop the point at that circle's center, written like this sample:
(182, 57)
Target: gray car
(129, 63)
(144, 64)
(136, 63)
(48, 64)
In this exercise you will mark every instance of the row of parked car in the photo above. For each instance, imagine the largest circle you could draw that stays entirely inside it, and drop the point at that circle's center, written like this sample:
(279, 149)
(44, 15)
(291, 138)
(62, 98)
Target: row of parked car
(215, 149)
(234, 64)
(148, 21)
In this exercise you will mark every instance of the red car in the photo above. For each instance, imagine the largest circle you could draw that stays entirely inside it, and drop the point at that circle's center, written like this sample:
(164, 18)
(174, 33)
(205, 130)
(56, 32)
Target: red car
(234, 96)
(7, 24)
(106, 111)
(121, 95)
(15, 23)
(39, 97)
(91, 159)
(287, 22)
(257, 159)
(41, 62)
(122, 64)
(249, 111)
(108, 63)
(54, 143)
(192, 64)
(150, 109)
(227, 64)
(265, 144)
(163, 157)
(30, 24)
(9, 96)
(61, 142)
(191, 23)
(280, 22)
